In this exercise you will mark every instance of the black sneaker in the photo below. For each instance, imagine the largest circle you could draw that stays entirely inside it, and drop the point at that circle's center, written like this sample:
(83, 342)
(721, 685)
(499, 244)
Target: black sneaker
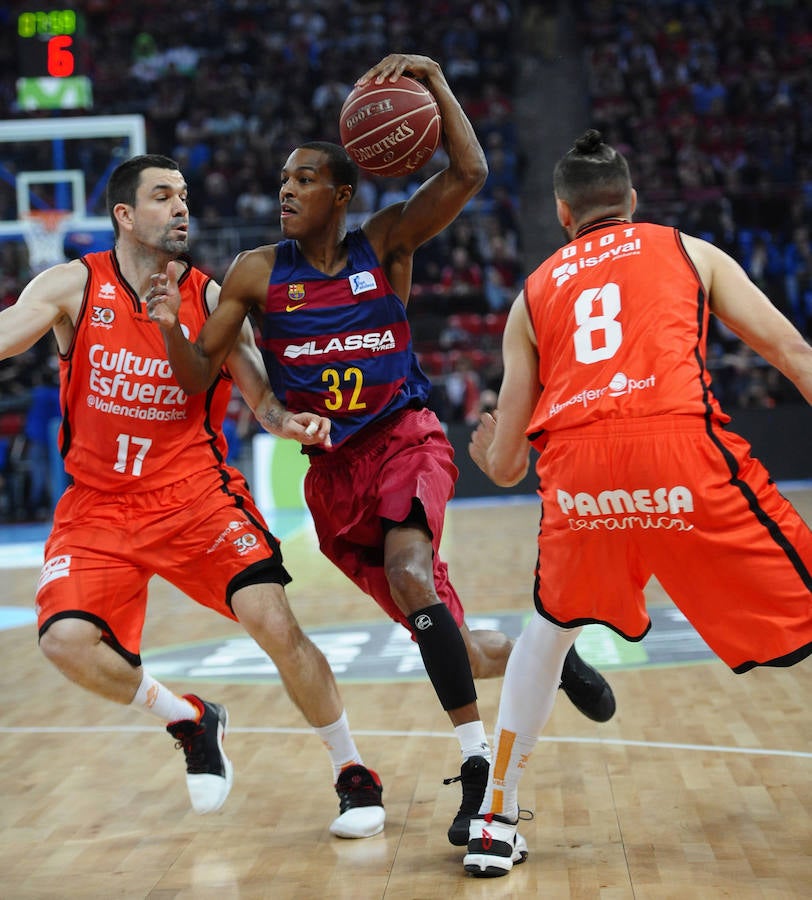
(209, 772)
(361, 812)
(587, 689)
(474, 778)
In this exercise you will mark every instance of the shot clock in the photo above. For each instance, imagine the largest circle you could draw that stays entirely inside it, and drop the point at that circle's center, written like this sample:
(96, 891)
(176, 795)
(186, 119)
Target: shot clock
(52, 54)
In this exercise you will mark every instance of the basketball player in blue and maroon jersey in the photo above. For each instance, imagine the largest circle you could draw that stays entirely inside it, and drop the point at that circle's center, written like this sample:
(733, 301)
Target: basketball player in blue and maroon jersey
(332, 306)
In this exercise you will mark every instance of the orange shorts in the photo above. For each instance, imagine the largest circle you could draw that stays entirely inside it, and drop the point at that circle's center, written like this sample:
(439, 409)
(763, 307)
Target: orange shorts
(673, 498)
(203, 534)
(376, 476)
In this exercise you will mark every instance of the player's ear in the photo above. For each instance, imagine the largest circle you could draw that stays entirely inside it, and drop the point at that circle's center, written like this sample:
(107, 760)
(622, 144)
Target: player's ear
(344, 194)
(123, 213)
(564, 213)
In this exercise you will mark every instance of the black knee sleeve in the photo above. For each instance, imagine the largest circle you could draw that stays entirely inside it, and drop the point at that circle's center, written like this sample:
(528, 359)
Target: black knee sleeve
(444, 655)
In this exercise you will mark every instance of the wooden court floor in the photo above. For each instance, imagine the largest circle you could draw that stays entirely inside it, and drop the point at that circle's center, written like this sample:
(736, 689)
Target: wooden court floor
(700, 787)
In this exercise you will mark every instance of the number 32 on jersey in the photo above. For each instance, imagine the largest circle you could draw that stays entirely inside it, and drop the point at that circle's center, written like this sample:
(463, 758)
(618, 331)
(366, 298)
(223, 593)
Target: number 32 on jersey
(344, 389)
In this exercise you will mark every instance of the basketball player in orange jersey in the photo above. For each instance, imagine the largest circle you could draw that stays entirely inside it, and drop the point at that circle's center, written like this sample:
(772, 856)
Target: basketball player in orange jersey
(151, 493)
(605, 374)
(332, 305)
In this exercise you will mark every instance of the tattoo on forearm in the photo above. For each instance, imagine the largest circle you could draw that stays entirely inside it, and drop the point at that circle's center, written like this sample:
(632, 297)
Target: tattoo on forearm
(272, 417)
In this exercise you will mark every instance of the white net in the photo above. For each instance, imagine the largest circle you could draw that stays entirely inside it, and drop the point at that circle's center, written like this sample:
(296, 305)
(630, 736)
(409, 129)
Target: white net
(44, 233)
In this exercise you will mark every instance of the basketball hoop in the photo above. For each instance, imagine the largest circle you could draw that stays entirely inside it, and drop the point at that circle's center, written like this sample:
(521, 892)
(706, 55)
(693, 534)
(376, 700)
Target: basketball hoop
(44, 233)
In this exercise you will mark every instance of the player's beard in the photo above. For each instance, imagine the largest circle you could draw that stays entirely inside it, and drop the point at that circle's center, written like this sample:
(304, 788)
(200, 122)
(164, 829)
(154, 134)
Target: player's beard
(173, 246)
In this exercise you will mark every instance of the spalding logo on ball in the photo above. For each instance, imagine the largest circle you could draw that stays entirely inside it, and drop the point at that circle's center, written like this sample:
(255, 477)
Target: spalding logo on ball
(390, 129)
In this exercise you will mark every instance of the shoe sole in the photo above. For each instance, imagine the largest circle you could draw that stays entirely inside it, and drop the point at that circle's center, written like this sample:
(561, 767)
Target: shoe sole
(361, 822)
(483, 867)
(486, 865)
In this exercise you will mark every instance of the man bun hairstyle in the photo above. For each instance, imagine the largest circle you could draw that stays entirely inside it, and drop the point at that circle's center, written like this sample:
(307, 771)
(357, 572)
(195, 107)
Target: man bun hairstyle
(593, 178)
(589, 143)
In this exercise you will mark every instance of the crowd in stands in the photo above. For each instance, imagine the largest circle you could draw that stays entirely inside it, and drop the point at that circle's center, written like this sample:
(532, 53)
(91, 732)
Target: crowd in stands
(229, 88)
(710, 101)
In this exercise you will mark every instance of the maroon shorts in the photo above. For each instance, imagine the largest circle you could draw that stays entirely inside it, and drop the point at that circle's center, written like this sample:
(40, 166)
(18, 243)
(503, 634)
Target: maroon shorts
(203, 534)
(376, 476)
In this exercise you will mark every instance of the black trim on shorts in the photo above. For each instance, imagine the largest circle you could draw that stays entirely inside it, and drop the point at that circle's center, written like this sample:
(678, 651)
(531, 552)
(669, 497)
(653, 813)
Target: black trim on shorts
(764, 519)
(789, 659)
(576, 623)
(711, 429)
(266, 571)
(134, 659)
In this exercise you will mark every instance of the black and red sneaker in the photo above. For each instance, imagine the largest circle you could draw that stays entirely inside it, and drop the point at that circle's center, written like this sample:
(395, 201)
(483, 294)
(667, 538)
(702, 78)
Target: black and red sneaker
(361, 812)
(209, 772)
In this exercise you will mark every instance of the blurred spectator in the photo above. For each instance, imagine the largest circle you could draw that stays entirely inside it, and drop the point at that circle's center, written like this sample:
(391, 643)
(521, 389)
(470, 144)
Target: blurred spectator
(462, 277)
(462, 389)
(239, 426)
(502, 274)
(37, 483)
(708, 94)
(503, 168)
(492, 20)
(255, 205)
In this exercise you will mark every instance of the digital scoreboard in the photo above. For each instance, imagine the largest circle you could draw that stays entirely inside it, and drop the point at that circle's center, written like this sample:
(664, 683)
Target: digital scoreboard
(52, 56)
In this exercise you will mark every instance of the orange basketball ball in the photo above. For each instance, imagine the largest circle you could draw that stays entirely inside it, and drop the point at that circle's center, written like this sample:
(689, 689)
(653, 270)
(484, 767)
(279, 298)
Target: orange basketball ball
(392, 128)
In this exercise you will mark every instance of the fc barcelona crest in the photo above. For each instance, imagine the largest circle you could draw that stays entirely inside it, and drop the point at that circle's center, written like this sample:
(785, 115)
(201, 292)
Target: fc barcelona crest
(296, 291)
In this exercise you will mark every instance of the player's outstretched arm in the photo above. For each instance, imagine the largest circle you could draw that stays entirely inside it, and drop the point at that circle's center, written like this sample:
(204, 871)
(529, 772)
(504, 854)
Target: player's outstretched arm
(751, 316)
(52, 297)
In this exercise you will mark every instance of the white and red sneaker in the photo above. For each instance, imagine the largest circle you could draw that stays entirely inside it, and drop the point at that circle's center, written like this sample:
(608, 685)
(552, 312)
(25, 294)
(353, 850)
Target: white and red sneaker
(494, 846)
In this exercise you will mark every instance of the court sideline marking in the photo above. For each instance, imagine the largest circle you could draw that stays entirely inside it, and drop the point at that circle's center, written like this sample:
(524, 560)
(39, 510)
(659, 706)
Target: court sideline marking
(605, 742)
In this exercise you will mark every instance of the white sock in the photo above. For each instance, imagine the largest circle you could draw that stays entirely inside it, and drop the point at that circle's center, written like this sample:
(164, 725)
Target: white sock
(339, 743)
(473, 741)
(154, 698)
(529, 690)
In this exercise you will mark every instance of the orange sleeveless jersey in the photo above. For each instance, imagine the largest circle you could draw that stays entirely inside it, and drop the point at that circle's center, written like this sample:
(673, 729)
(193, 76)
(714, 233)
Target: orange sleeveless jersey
(619, 336)
(127, 425)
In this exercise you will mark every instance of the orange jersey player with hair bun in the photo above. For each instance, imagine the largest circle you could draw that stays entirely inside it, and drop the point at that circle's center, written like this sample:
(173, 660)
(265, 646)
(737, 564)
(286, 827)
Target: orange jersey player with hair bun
(636, 462)
(606, 375)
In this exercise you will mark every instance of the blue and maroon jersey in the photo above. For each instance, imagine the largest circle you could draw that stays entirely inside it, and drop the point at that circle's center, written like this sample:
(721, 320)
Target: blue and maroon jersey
(339, 345)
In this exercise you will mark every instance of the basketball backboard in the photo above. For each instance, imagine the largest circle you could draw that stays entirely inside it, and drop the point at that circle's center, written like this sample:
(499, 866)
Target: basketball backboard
(53, 175)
